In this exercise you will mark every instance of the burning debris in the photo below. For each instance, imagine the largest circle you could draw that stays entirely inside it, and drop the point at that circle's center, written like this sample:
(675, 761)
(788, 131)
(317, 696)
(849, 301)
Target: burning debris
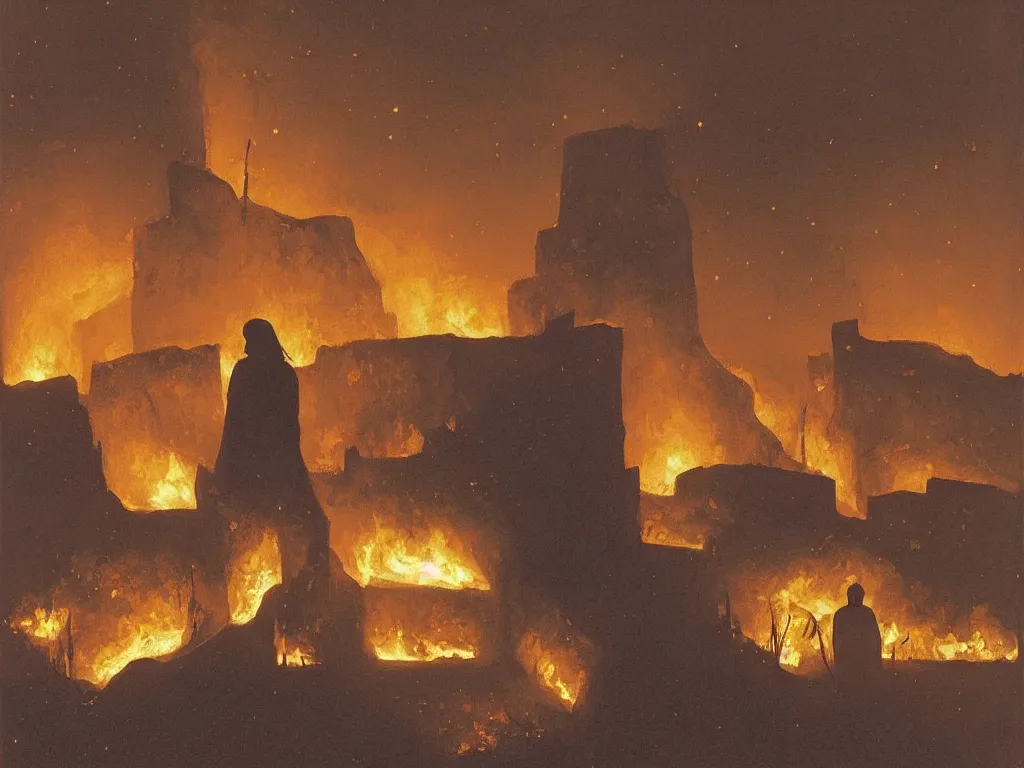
(785, 604)
(157, 416)
(255, 568)
(108, 614)
(909, 411)
(427, 557)
(558, 658)
(294, 649)
(461, 475)
(403, 625)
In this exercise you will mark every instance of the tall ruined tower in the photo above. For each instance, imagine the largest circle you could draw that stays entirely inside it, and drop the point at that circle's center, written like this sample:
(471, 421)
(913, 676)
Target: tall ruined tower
(621, 253)
(622, 243)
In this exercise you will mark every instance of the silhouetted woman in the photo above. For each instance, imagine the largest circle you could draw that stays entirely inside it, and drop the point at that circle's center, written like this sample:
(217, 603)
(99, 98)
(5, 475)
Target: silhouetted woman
(260, 467)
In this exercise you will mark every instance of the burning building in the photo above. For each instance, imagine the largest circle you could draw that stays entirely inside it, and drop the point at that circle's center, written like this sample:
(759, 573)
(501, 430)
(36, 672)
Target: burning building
(911, 411)
(580, 544)
(217, 261)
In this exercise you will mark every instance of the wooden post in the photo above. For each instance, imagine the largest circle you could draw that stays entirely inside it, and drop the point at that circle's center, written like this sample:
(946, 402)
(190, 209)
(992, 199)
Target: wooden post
(245, 181)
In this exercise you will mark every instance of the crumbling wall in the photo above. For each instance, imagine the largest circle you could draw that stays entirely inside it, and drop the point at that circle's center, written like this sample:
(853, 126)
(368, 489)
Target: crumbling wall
(521, 435)
(202, 272)
(158, 415)
(911, 411)
(51, 481)
(962, 539)
(621, 253)
(104, 335)
(744, 511)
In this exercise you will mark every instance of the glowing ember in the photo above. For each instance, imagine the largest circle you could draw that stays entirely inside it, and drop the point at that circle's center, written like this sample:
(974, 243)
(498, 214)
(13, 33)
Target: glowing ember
(395, 645)
(176, 489)
(41, 626)
(118, 611)
(819, 588)
(293, 651)
(157, 480)
(484, 736)
(422, 626)
(556, 666)
(656, 532)
(145, 640)
(429, 557)
(254, 571)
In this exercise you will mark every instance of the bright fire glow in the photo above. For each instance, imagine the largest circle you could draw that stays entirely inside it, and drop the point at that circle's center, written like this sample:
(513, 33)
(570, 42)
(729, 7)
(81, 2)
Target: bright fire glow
(70, 276)
(420, 626)
(157, 480)
(293, 651)
(430, 557)
(657, 532)
(146, 640)
(556, 666)
(395, 645)
(40, 625)
(254, 571)
(662, 465)
(819, 587)
(175, 490)
(778, 416)
(443, 305)
(119, 611)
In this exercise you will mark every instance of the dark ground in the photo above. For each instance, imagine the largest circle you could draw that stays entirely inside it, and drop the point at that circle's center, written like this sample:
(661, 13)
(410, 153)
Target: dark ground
(669, 693)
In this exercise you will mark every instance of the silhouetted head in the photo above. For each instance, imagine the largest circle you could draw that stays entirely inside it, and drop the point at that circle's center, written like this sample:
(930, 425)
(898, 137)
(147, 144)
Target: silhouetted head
(855, 594)
(261, 341)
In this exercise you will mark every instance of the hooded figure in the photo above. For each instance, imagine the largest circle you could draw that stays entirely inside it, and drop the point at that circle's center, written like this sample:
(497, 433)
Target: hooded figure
(856, 642)
(260, 468)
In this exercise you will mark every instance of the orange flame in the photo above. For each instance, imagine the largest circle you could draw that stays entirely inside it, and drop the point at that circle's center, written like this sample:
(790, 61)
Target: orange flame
(420, 626)
(157, 480)
(68, 278)
(394, 645)
(556, 666)
(443, 305)
(819, 587)
(254, 571)
(431, 557)
(293, 651)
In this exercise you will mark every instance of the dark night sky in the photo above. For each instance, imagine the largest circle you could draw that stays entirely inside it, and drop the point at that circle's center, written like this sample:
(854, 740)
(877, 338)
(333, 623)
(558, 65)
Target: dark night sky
(838, 159)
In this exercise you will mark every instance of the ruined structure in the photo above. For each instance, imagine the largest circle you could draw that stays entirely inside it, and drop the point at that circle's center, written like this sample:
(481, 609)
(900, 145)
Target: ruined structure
(50, 467)
(742, 511)
(909, 411)
(621, 253)
(962, 539)
(520, 439)
(158, 417)
(217, 261)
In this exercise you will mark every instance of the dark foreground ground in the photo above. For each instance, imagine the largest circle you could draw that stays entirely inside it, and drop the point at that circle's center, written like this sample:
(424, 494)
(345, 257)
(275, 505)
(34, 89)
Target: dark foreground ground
(668, 695)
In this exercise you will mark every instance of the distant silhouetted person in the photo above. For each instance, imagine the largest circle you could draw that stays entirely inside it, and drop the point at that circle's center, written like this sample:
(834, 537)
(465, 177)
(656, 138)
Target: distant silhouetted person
(260, 467)
(856, 643)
